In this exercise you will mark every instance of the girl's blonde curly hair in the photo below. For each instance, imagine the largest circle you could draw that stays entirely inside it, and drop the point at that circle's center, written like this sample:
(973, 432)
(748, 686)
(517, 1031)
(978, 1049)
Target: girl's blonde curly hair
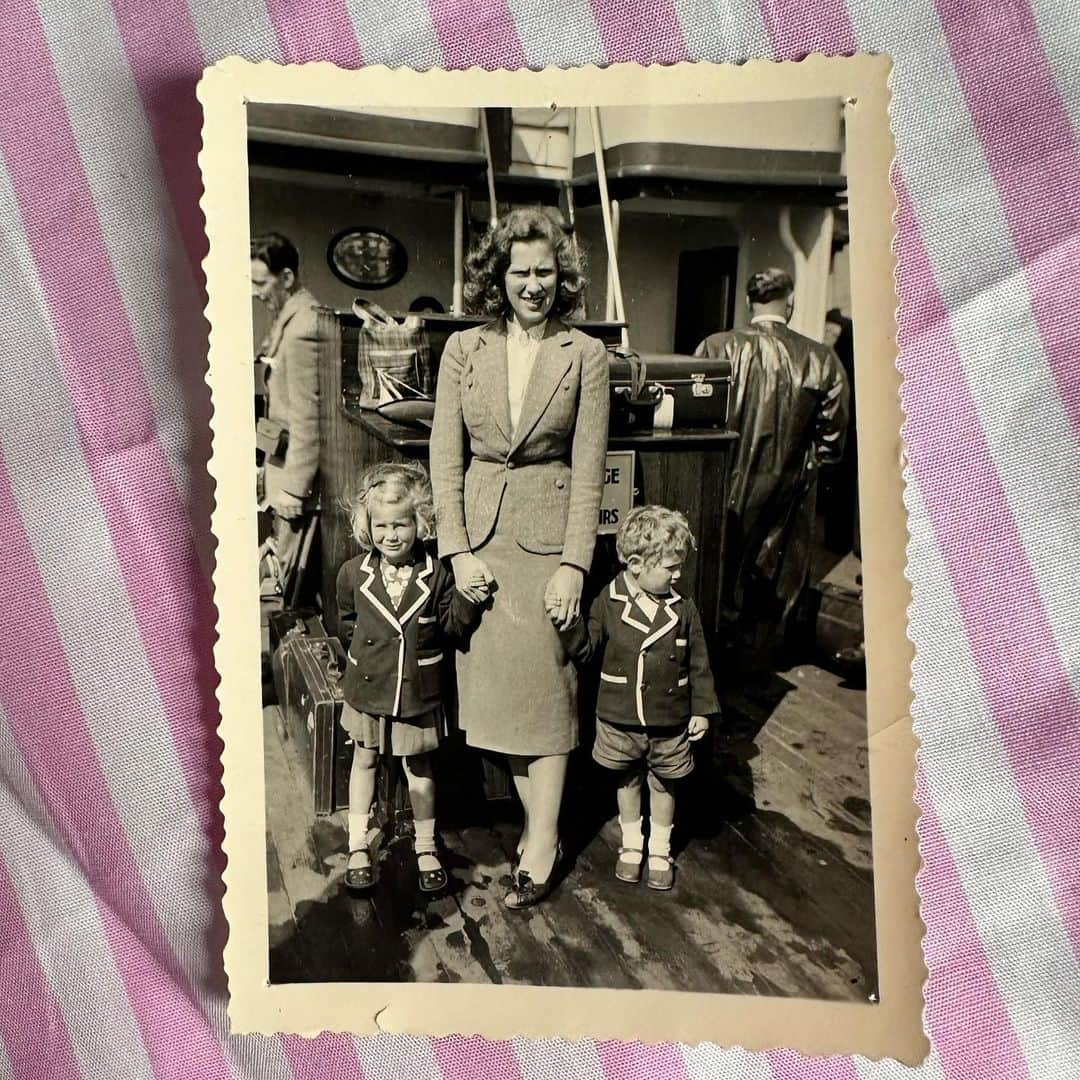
(392, 482)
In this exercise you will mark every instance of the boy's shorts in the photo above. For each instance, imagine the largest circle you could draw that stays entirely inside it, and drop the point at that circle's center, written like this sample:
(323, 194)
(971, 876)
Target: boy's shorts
(664, 750)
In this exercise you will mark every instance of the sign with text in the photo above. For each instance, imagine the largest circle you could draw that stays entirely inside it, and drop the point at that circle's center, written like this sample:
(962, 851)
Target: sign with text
(618, 497)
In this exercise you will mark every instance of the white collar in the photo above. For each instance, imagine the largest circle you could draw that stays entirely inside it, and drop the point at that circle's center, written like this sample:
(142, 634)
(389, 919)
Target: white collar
(769, 318)
(515, 331)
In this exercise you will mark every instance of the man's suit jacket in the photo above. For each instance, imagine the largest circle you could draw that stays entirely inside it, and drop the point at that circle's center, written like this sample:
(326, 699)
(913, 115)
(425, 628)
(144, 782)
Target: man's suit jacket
(395, 654)
(542, 483)
(292, 347)
(655, 671)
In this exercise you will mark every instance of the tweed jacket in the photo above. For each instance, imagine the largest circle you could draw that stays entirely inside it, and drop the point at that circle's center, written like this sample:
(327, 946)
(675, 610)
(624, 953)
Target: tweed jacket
(541, 483)
(291, 348)
(395, 654)
(654, 672)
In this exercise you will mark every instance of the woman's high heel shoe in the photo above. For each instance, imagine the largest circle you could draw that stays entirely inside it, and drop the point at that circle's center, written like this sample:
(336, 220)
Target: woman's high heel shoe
(525, 892)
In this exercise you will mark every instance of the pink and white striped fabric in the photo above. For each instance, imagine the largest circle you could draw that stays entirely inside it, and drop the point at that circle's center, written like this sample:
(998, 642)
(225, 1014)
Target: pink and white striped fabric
(110, 927)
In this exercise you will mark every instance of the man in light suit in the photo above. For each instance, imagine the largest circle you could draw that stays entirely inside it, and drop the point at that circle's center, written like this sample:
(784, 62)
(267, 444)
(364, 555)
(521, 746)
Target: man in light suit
(291, 352)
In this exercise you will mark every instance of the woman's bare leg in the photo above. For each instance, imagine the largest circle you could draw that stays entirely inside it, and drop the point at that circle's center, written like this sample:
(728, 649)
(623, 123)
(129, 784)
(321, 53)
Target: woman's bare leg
(547, 778)
(519, 769)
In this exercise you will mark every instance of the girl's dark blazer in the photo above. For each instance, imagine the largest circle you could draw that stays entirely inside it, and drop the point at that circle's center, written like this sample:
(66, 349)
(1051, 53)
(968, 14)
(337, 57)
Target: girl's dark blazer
(543, 483)
(395, 655)
(654, 672)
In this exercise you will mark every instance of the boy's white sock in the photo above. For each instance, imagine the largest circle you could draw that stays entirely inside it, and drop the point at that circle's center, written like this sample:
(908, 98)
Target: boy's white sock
(632, 839)
(424, 843)
(659, 845)
(358, 829)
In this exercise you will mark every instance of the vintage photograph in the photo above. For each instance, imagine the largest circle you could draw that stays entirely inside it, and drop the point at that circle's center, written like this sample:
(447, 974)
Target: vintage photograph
(560, 552)
(555, 518)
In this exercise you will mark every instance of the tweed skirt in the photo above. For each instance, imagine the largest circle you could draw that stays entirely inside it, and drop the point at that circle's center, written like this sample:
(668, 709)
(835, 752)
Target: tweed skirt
(517, 688)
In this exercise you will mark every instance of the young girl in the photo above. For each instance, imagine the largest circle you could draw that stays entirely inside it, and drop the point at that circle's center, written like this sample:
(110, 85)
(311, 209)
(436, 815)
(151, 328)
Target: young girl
(397, 607)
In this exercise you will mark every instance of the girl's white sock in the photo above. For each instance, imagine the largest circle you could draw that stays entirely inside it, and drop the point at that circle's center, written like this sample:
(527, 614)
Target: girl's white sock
(358, 829)
(424, 844)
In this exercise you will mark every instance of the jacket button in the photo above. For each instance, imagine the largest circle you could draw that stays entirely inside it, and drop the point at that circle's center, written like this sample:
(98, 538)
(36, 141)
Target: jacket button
(673, 657)
(367, 678)
(644, 686)
(560, 484)
(371, 641)
(510, 464)
(670, 692)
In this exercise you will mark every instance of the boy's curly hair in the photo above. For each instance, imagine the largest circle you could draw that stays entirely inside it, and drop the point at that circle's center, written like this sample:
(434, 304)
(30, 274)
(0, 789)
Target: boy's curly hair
(488, 261)
(392, 482)
(654, 532)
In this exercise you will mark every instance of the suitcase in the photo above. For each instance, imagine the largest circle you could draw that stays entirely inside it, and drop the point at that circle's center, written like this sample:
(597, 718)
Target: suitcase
(633, 400)
(838, 611)
(307, 671)
(286, 623)
(660, 391)
(700, 388)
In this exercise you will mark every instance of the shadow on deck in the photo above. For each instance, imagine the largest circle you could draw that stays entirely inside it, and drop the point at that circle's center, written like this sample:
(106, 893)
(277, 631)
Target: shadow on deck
(774, 893)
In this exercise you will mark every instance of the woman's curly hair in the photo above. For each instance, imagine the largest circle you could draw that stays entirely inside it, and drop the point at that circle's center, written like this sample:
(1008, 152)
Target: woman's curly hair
(392, 483)
(488, 261)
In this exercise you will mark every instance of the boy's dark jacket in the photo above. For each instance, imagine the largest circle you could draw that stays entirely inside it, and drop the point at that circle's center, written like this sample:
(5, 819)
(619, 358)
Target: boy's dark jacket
(653, 672)
(395, 655)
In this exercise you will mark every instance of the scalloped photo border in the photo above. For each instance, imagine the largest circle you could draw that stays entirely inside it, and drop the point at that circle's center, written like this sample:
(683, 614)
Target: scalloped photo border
(890, 1028)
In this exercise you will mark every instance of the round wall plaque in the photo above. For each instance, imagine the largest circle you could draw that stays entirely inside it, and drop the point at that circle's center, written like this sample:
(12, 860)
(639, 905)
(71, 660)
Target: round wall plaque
(367, 258)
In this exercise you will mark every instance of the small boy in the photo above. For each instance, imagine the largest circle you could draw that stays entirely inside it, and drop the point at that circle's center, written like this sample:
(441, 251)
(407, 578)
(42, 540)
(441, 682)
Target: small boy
(656, 687)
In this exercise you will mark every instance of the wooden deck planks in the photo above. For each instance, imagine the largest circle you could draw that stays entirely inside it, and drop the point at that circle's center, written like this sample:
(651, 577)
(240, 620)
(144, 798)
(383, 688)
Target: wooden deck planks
(773, 896)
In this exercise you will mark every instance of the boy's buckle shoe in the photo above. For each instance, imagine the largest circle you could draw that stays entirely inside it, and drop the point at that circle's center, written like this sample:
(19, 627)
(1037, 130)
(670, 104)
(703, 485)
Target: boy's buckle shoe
(627, 869)
(663, 879)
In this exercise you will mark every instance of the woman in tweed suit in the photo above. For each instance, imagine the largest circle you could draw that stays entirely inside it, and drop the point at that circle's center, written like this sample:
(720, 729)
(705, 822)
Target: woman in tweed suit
(518, 449)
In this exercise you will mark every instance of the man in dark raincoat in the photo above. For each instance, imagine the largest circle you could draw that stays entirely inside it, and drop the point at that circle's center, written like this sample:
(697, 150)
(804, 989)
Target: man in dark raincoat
(789, 404)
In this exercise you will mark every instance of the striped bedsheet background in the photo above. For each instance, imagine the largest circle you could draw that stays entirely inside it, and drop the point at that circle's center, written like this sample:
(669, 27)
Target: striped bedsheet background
(110, 926)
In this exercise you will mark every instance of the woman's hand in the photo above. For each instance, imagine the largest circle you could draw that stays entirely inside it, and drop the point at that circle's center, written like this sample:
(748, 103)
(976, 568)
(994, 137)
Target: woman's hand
(562, 597)
(472, 576)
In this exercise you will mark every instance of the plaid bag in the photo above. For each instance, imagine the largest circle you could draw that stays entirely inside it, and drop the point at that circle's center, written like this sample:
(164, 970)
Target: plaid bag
(394, 358)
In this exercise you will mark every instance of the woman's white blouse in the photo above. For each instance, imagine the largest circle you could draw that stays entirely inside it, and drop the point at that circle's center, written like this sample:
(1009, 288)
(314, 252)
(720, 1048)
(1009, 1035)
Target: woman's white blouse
(521, 349)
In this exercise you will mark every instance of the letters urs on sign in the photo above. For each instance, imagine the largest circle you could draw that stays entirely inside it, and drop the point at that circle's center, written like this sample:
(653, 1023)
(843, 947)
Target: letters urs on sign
(618, 495)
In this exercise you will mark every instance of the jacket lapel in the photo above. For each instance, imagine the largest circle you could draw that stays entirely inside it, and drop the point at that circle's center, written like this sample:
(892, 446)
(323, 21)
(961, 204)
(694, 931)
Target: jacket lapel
(489, 366)
(630, 614)
(418, 591)
(551, 364)
(667, 618)
(375, 591)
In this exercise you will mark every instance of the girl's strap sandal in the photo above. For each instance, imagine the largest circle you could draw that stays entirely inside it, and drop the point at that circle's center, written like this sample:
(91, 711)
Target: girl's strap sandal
(431, 880)
(359, 875)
